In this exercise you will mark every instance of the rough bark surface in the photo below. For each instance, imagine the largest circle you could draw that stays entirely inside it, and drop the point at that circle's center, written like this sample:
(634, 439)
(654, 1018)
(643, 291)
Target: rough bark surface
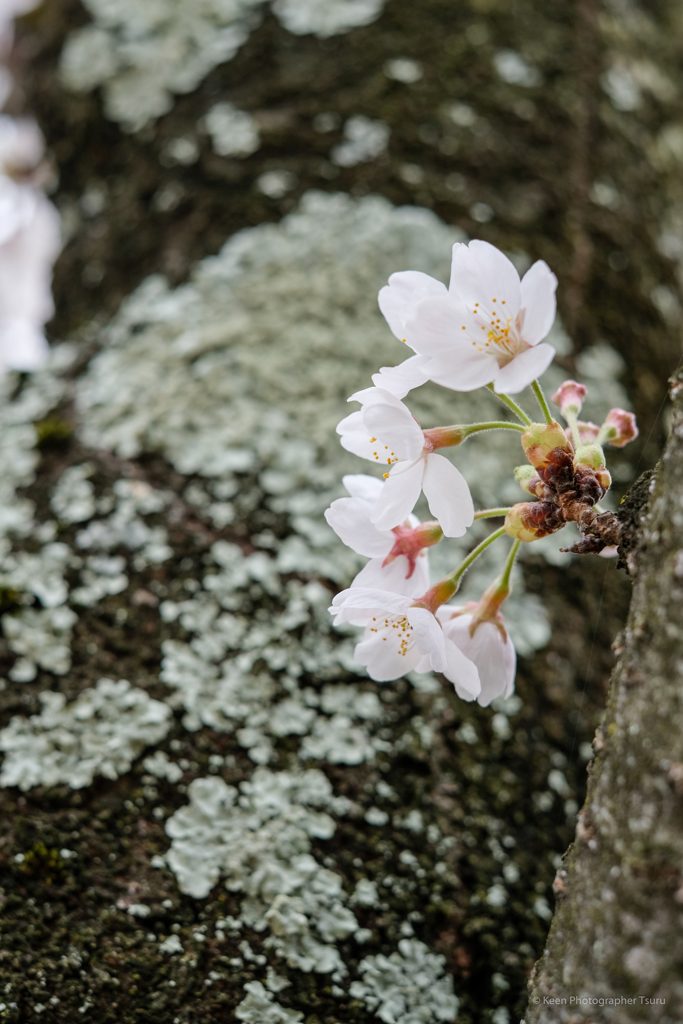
(616, 943)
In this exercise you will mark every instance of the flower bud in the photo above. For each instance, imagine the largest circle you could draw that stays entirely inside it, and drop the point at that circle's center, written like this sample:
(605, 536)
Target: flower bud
(590, 455)
(539, 440)
(569, 396)
(619, 428)
(587, 431)
(444, 437)
(529, 480)
(531, 520)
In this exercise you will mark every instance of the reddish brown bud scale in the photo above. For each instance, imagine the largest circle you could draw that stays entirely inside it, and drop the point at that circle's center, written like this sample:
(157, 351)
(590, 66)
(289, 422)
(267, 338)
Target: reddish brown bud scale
(531, 520)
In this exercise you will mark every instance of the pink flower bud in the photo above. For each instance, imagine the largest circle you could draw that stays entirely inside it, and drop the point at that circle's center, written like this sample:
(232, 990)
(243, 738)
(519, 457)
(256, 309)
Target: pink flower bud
(443, 437)
(619, 428)
(587, 431)
(569, 396)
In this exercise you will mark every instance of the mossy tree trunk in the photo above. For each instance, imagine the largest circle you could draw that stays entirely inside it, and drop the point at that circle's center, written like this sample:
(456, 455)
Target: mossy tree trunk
(615, 945)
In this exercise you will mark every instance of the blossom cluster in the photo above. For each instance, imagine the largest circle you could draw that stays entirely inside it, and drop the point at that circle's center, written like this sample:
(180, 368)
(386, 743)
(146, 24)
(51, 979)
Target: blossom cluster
(487, 329)
(29, 224)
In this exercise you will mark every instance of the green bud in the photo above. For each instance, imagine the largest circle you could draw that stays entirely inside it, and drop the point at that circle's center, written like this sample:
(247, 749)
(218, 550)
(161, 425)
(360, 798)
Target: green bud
(540, 439)
(590, 455)
(526, 476)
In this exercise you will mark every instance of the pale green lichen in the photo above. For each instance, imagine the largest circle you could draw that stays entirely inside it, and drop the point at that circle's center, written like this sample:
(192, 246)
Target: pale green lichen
(143, 54)
(100, 733)
(407, 987)
(258, 840)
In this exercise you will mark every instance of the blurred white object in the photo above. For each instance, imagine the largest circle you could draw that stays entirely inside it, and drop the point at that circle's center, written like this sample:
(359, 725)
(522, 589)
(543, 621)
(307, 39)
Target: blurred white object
(21, 145)
(233, 132)
(364, 139)
(14, 8)
(29, 244)
(9, 9)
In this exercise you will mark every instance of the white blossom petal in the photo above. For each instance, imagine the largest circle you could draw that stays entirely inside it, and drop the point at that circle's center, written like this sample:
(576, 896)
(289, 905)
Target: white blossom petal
(462, 369)
(355, 437)
(462, 671)
(448, 495)
(360, 485)
(524, 369)
(538, 302)
(494, 657)
(357, 604)
(394, 576)
(481, 273)
(401, 295)
(401, 379)
(429, 637)
(439, 323)
(399, 436)
(399, 495)
(350, 520)
(385, 660)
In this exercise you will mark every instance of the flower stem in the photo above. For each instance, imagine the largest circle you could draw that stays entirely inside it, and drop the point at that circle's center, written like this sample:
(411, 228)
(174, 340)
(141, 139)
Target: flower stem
(445, 589)
(511, 404)
(605, 433)
(505, 575)
(573, 421)
(538, 391)
(490, 513)
(457, 574)
(449, 437)
(472, 428)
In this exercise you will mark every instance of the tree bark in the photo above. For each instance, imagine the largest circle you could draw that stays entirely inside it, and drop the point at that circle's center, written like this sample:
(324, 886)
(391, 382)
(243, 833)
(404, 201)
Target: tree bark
(614, 949)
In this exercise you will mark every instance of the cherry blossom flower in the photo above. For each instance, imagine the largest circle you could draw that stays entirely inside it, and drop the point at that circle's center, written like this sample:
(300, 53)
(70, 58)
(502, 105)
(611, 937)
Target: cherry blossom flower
(384, 431)
(487, 644)
(401, 636)
(398, 557)
(487, 327)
